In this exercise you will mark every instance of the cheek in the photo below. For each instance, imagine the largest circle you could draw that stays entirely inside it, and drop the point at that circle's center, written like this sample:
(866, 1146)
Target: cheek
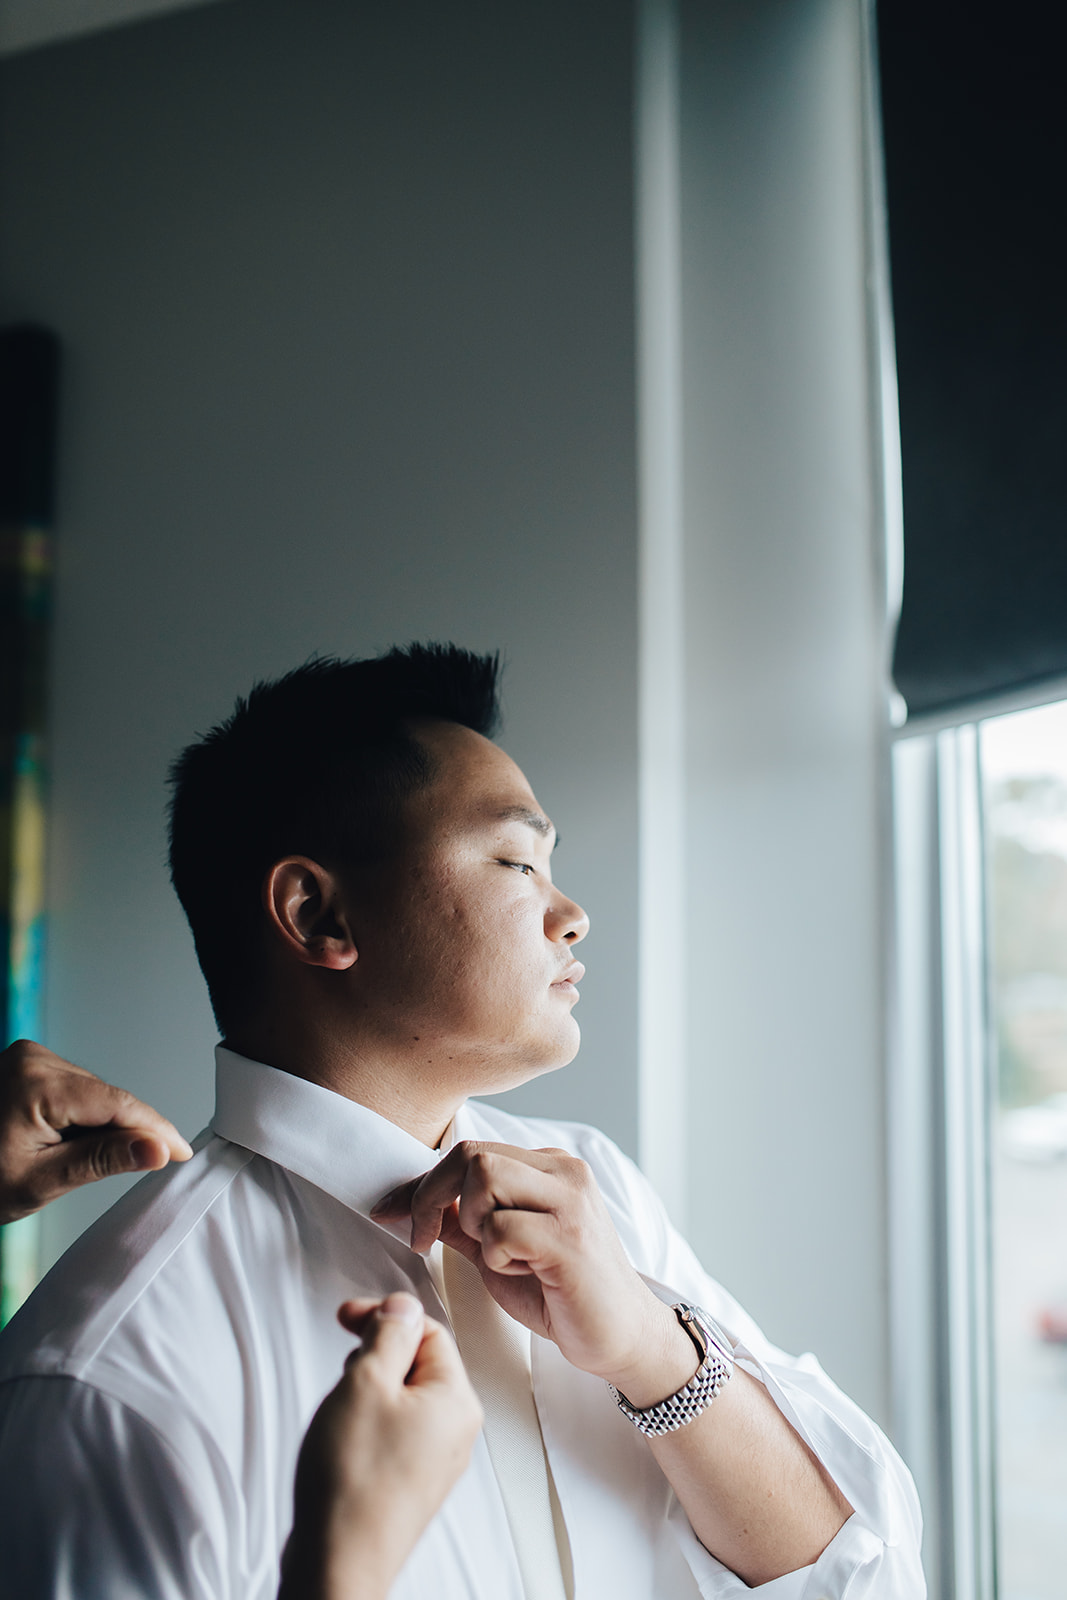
(493, 948)
(452, 930)
(518, 945)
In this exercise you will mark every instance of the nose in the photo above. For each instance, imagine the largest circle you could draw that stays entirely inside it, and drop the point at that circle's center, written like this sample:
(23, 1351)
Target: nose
(565, 921)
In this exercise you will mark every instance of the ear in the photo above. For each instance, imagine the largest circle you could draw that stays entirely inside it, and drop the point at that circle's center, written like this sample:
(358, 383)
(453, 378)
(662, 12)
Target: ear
(306, 908)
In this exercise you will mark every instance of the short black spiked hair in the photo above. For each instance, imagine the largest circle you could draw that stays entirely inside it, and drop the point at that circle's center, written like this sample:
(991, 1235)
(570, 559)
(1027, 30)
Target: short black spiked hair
(317, 763)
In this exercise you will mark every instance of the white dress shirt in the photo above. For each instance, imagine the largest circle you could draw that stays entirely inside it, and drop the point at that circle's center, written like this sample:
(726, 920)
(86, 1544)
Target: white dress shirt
(155, 1389)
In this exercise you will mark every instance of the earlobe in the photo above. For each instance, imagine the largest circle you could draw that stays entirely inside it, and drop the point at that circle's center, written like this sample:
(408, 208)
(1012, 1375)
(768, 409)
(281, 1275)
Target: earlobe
(305, 907)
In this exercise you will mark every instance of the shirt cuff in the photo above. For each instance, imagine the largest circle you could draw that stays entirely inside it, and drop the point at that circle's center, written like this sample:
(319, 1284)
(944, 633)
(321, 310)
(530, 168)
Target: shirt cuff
(852, 1549)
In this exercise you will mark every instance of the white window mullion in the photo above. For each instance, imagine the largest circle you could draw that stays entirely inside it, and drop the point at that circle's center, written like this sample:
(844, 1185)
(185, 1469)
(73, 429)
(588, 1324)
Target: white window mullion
(938, 1160)
(969, 1374)
(914, 1114)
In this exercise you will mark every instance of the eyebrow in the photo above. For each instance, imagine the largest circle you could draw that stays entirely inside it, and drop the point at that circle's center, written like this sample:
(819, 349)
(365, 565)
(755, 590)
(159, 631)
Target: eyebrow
(533, 819)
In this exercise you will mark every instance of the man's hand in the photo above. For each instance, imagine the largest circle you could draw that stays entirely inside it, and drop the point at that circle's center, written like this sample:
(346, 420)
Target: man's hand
(535, 1225)
(381, 1454)
(61, 1127)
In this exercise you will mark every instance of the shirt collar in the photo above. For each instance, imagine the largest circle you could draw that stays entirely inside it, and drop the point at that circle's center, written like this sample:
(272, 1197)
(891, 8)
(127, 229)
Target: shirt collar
(336, 1144)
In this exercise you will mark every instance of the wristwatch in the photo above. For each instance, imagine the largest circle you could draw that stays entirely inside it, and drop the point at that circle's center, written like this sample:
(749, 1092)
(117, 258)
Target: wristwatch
(711, 1377)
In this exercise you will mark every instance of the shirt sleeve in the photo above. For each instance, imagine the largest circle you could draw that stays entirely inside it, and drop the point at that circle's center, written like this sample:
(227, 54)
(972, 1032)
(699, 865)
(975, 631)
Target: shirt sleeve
(876, 1555)
(95, 1501)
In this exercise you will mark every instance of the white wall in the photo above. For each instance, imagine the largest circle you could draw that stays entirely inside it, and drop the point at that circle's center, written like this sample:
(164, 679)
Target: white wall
(786, 719)
(345, 295)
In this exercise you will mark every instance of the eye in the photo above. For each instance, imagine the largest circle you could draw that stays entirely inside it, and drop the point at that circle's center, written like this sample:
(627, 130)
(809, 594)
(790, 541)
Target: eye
(520, 866)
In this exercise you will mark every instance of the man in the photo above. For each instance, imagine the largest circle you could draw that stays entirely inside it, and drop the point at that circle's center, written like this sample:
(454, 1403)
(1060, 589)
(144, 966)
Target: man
(368, 882)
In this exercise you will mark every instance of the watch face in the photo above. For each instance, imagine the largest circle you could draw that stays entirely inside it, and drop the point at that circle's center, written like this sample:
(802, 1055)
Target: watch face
(713, 1334)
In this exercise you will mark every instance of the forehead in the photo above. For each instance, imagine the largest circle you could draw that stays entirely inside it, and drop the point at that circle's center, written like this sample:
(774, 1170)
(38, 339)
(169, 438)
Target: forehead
(475, 783)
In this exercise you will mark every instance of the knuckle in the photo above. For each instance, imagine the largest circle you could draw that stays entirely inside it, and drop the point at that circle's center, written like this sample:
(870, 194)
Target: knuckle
(20, 1060)
(579, 1173)
(575, 1180)
(571, 1168)
(483, 1165)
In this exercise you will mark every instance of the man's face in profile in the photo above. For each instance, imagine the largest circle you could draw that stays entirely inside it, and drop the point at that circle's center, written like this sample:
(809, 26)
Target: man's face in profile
(465, 944)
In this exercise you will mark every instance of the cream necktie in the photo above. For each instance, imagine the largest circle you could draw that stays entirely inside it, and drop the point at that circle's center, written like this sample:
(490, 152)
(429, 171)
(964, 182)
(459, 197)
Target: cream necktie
(496, 1352)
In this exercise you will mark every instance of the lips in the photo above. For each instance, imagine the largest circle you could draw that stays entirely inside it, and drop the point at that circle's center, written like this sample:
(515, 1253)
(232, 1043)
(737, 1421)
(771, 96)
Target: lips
(570, 976)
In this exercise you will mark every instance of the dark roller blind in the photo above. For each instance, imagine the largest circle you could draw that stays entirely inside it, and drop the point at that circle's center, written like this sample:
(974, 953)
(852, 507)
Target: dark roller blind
(974, 101)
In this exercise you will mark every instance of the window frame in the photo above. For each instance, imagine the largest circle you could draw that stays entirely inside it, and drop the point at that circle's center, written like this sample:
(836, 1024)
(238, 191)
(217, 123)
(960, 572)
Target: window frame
(939, 1119)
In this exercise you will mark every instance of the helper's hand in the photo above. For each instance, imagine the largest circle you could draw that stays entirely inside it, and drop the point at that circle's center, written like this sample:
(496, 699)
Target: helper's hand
(382, 1452)
(61, 1127)
(536, 1226)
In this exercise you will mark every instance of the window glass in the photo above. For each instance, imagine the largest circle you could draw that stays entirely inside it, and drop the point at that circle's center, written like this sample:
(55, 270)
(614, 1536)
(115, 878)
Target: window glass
(1024, 776)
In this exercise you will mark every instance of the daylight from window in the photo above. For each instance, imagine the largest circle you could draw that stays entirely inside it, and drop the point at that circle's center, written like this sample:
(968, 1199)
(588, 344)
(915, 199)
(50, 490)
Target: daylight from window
(1024, 774)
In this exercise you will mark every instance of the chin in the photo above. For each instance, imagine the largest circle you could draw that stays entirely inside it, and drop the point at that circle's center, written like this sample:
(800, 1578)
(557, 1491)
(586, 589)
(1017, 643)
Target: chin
(505, 1075)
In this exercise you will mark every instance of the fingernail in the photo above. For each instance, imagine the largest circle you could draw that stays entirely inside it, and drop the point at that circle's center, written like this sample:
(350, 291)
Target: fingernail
(402, 1306)
(141, 1153)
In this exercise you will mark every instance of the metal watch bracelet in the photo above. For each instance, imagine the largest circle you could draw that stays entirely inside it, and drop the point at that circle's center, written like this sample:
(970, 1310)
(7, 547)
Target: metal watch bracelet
(711, 1377)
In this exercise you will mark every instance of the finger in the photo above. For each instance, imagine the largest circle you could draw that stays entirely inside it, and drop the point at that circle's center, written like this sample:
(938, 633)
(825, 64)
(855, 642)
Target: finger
(497, 1183)
(407, 1201)
(391, 1339)
(446, 1179)
(494, 1176)
(517, 1243)
(353, 1314)
(26, 1060)
(176, 1144)
(395, 1204)
(437, 1359)
(87, 1158)
(453, 1236)
(78, 1100)
(429, 1197)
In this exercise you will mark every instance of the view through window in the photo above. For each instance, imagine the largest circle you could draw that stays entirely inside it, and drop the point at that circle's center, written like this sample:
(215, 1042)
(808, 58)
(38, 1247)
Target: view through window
(1024, 776)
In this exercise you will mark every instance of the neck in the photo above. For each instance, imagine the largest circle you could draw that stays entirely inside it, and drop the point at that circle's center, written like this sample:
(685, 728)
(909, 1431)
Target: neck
(406, 1094)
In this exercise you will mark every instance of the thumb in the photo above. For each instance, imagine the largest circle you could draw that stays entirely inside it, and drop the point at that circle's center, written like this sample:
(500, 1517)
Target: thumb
(105, 1153)
(391, 1337)
(438, 1359)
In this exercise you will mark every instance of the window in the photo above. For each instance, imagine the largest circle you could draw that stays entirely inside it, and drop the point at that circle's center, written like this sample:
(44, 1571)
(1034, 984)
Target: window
(978, 1119)
(1024, 790)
